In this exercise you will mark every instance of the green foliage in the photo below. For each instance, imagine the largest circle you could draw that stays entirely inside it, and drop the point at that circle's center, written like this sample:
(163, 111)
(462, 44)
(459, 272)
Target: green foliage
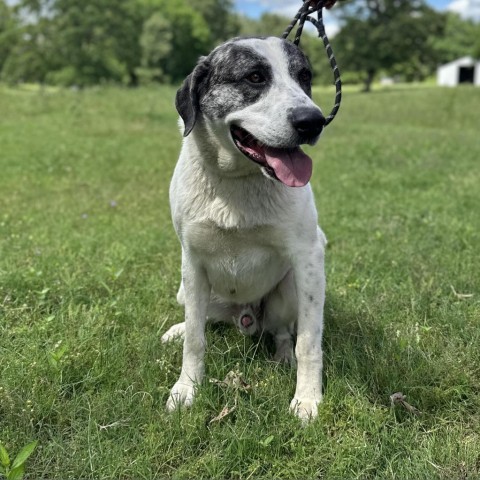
(268, 24)
(16, 469)
(32, 56)
(459, 38)
(156, 43)
(176, 33)
(402, 38)
(70, 43)
(9, 32)
(219, 16)
(390, 36)
(188, 35)
(65, 42)
(98, 39)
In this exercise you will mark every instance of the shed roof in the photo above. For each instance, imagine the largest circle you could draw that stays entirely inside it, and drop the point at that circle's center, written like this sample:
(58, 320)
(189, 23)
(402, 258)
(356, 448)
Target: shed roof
(466, 61)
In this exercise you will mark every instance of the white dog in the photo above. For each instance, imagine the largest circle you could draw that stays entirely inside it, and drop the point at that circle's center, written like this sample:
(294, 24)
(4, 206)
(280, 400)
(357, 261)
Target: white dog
(244, 211)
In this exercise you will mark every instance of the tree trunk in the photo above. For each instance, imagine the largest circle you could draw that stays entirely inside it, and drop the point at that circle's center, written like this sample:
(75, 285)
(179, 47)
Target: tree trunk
(133, 79)
(367, 86)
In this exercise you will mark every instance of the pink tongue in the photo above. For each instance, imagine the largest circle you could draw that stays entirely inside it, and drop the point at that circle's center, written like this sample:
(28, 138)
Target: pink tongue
(292, 167)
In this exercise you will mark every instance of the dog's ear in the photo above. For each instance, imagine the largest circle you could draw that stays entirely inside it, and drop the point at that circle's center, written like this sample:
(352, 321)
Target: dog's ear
(187, 99)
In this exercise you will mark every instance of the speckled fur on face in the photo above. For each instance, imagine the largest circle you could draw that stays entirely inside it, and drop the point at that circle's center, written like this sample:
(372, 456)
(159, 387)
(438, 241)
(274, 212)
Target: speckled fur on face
(227, 90)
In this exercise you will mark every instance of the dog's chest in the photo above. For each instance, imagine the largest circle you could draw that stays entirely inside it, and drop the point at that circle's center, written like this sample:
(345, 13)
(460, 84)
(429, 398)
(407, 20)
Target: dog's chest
(242, 264)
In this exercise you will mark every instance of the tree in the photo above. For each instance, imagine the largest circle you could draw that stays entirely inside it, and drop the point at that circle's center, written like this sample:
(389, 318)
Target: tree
(97, 40)
(268, 24)
(156, 44)
(190, 40)
(68, 42)
(9, 32)
(459, 38)
(177, 32)
(383, 35)
(218, 15)
(222, 22)
(93, 41)
(32, 55)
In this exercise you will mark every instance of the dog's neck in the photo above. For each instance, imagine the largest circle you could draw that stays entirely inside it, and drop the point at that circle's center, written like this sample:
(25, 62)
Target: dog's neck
(238, 193)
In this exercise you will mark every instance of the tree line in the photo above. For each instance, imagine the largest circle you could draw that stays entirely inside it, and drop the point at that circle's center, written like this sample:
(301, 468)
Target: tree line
(67, 42)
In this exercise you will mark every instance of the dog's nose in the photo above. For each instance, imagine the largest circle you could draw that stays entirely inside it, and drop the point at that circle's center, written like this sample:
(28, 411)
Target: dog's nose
(308, 122)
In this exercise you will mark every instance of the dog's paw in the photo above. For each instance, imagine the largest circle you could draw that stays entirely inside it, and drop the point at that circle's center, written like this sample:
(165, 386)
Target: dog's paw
(182, 394)
(177, 332)
(306, 409)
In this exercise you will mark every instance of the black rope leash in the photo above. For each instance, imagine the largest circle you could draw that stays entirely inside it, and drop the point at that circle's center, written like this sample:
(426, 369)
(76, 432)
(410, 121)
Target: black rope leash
(303, 14)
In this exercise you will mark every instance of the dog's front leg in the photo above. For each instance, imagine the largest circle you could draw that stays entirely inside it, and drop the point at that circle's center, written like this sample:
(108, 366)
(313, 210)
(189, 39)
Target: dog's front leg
(197, 295)
(310, 285)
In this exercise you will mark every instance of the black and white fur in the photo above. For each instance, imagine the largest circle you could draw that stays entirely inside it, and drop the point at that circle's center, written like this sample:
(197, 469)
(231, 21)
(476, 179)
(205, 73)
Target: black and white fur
(247, 238)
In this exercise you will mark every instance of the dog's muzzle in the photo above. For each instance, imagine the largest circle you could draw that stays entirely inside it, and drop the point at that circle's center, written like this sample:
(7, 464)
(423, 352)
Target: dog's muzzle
(291, 166)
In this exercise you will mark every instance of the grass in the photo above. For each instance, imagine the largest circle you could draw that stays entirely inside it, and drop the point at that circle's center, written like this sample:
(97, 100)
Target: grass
(89, 267)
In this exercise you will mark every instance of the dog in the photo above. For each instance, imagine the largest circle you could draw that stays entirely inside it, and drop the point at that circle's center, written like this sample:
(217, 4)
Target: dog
(244, 211)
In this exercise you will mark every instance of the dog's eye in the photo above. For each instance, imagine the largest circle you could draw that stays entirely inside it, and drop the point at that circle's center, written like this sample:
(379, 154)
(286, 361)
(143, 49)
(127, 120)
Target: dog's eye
(305, 76)
(256, 77)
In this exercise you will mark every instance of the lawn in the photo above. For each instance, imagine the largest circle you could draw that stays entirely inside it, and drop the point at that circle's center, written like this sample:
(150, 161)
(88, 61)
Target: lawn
(89, 268)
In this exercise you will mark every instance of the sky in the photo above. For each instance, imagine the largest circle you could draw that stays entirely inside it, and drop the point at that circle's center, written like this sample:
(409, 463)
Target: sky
(254, 8)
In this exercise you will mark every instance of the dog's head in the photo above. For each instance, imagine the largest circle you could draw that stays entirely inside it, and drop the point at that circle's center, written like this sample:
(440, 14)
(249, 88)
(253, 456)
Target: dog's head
(255, 94)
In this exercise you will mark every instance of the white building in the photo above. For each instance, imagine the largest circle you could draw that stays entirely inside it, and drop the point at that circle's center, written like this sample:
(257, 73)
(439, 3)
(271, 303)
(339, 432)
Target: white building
(462, 70)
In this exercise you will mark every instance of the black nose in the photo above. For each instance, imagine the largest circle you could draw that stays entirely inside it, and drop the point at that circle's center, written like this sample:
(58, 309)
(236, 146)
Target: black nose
(308, 122)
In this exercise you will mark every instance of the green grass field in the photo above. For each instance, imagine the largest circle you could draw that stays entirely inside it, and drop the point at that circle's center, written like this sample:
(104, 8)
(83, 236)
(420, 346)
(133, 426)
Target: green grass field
(89, 268)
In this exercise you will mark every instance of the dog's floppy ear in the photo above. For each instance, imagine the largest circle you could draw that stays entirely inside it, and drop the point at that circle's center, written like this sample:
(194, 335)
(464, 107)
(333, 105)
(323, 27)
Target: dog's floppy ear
(187, 99)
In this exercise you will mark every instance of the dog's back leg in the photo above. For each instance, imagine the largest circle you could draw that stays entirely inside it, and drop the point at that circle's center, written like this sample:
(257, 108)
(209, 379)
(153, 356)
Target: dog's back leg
(280, 316)
(284, 348)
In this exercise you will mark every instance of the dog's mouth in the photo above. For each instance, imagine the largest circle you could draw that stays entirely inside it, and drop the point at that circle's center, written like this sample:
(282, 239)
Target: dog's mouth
(291, 166)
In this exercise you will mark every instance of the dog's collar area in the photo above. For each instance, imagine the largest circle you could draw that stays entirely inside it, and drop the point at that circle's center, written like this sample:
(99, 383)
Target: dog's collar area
(291, 166)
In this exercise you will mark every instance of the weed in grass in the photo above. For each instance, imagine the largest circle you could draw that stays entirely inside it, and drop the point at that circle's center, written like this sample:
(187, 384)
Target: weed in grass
(16, 469)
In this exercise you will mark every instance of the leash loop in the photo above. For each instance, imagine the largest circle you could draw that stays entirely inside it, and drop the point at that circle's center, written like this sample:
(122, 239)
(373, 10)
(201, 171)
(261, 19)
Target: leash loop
(304, 14)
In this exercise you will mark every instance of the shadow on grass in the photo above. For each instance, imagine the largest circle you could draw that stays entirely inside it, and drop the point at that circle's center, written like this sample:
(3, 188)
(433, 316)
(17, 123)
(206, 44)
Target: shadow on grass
(367, 356)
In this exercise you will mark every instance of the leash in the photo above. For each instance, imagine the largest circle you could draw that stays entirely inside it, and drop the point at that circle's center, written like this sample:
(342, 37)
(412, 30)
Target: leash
(303, 14)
